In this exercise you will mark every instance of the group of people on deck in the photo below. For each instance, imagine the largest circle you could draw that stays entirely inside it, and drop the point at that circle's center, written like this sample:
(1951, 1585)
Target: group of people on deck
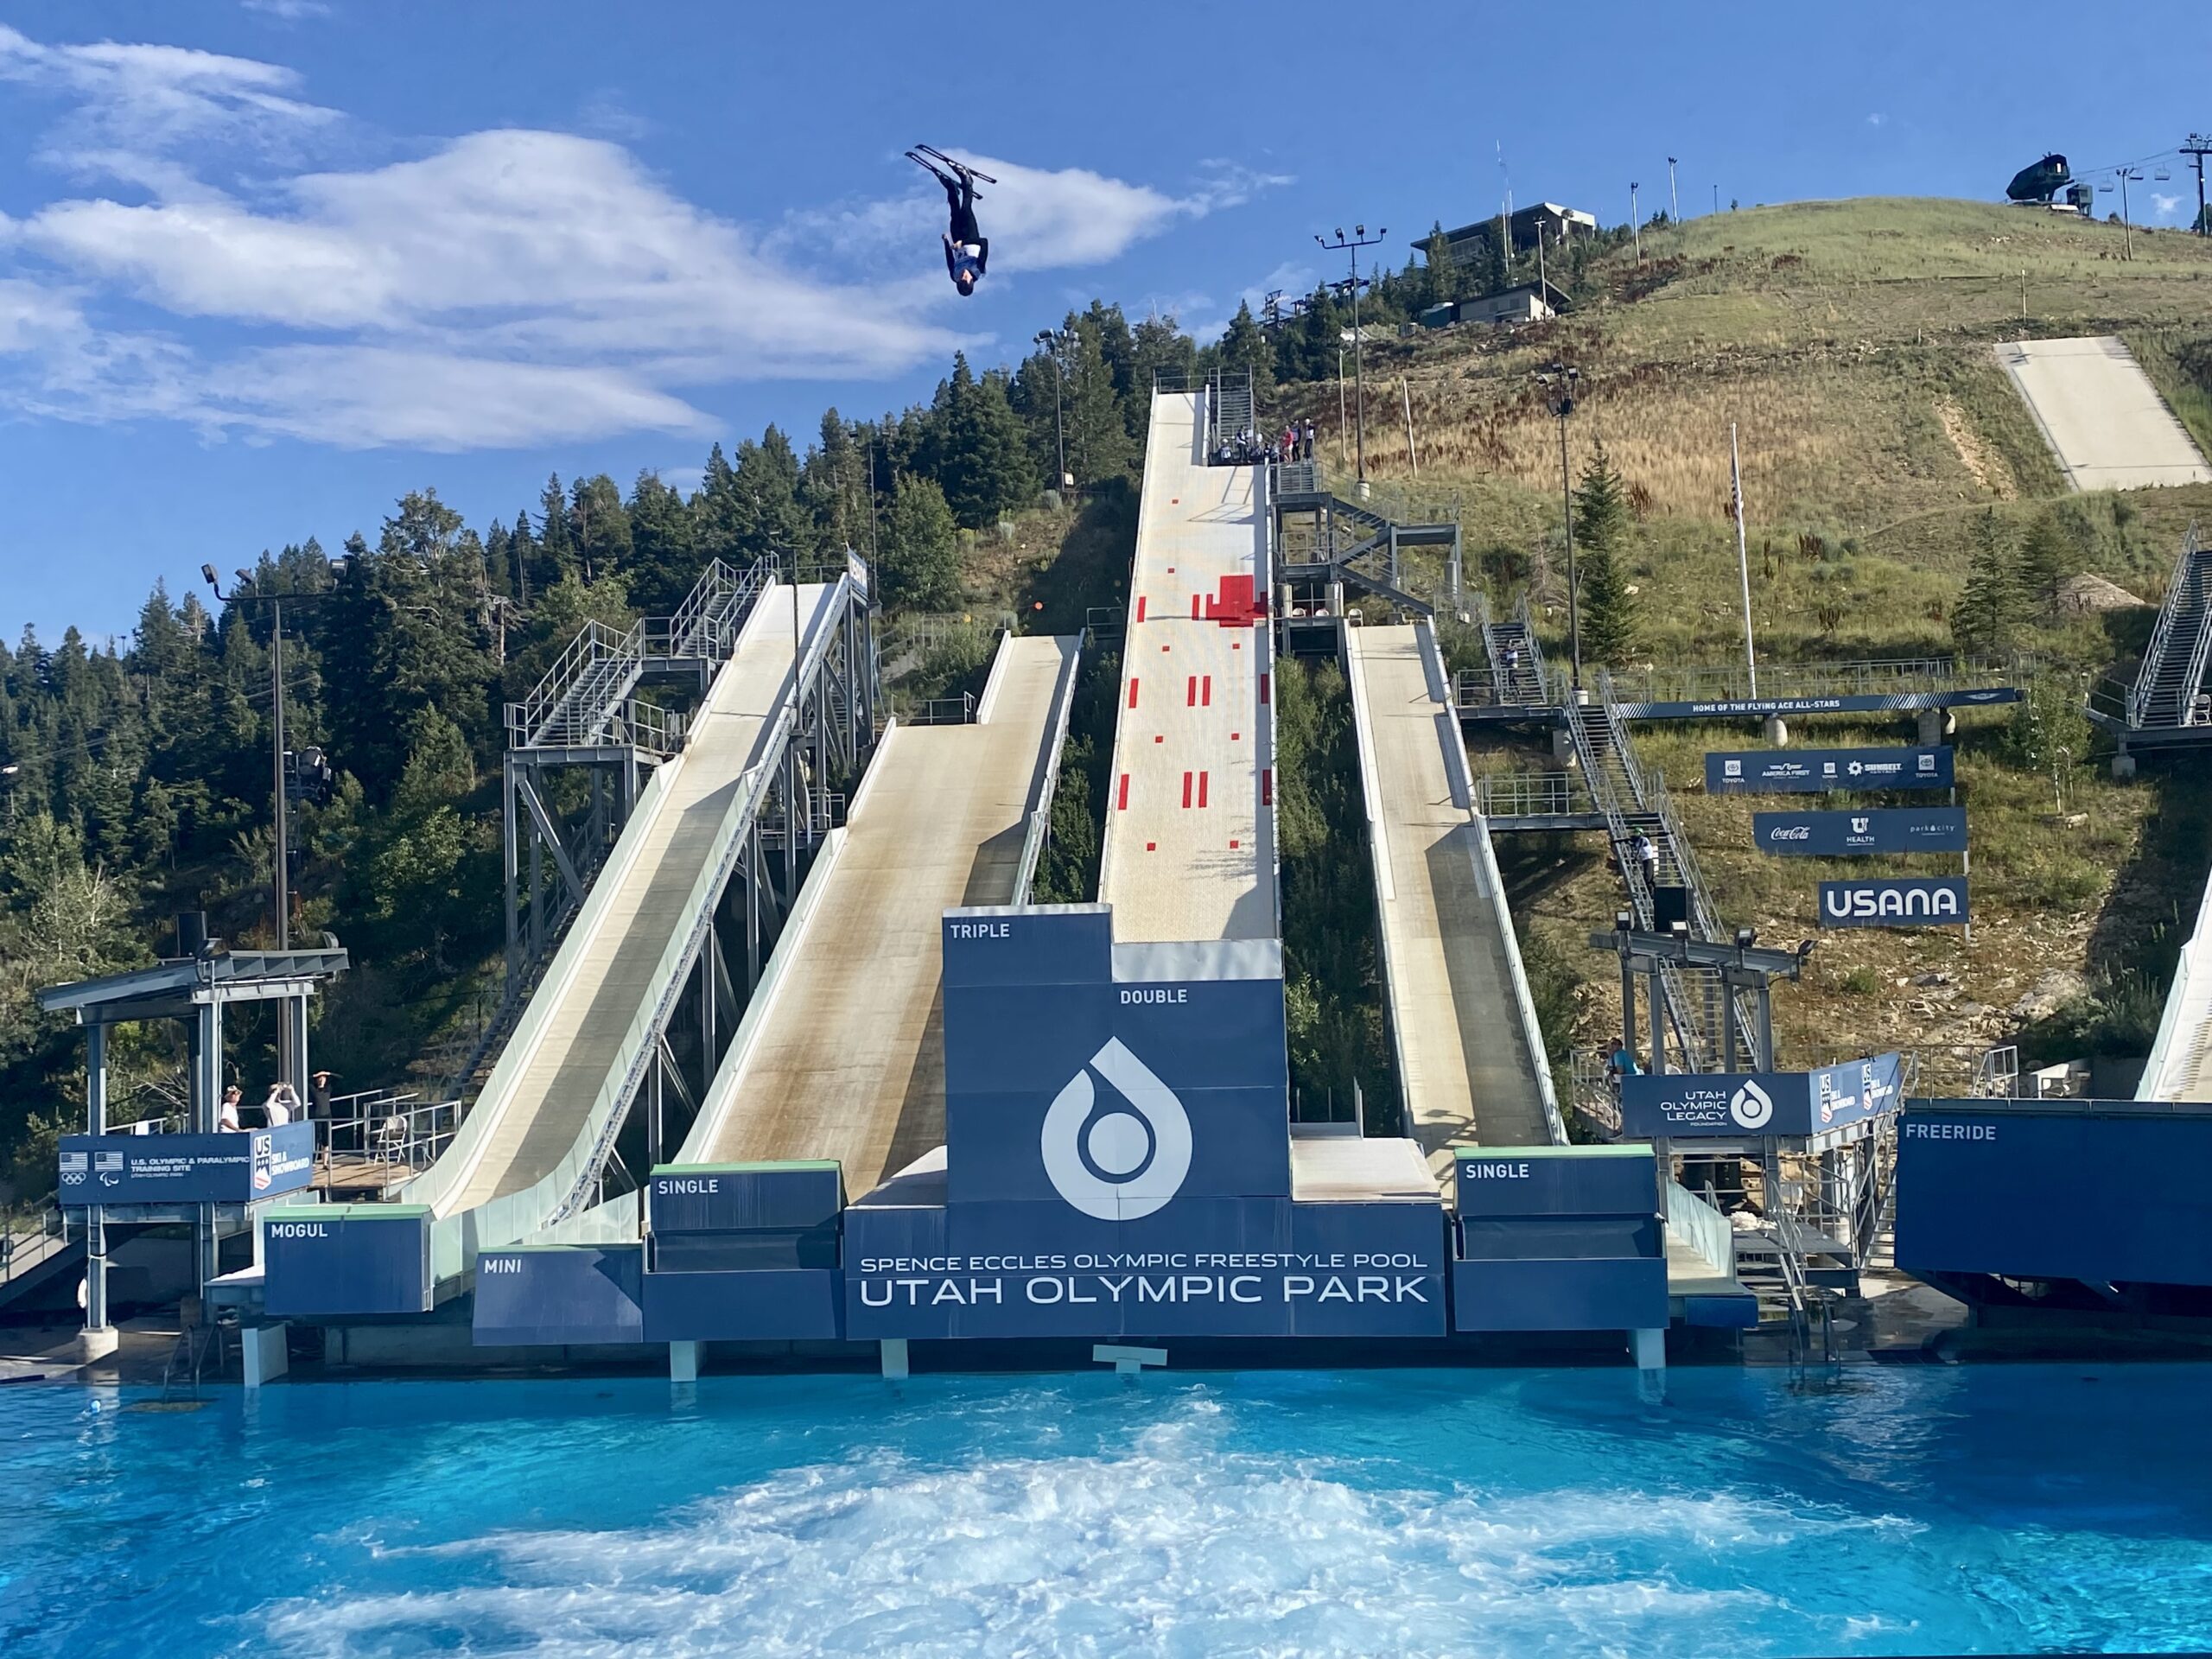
(282, 1106)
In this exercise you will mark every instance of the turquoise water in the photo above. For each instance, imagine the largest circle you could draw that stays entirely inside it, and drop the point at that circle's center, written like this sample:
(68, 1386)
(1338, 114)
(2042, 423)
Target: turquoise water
(1906, 1511)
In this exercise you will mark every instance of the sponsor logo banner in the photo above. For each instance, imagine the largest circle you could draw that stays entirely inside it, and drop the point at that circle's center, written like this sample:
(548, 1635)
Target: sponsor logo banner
(1726, 708)
(1852, 835)
(1900, 901)
(229, 1169)
(1787, 772)
(1734, 1104)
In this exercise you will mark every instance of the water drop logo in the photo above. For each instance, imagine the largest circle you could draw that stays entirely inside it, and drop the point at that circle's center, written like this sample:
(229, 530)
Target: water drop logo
(1116, 1160)
(1751, 1106)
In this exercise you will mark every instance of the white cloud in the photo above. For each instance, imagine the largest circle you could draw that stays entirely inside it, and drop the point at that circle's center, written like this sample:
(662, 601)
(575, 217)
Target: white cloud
(290, 10)
(1877, 120)
(506, 287)
(2168, 207)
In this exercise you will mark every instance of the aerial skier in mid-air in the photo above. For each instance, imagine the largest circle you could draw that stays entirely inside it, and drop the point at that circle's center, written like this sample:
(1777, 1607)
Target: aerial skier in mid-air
(967, 249)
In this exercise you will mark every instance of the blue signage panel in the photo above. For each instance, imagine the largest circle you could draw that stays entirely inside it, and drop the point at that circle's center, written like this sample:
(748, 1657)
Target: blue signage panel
(1064, 1084)
(1201, 1267)
(1790, 771)
(239, 1166)
(1895, 901)
(560, 1294)
(1849, 835)
(1620, 1295)
(1730, 709)
(2104, 1192)
(776, 1306)
(729, 1198)
(347, 1258)
(1734, 1104)
(1555, 1181)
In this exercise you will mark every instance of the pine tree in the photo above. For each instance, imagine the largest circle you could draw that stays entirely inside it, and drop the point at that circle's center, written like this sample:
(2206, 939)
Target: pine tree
(1601, 523)
(1443, 275)
(556, 546)
(981, 459)
(665, 558)
(600, 525)
(719, 512)
(1498, 270)
(1098, 438)
(1985, 621)
(921, 566)
(1244, 348)
(2047, 558)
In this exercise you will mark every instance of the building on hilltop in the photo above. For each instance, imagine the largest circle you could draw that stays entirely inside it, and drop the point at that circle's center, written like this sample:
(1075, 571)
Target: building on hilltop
(1523, 302)
(1547, 220)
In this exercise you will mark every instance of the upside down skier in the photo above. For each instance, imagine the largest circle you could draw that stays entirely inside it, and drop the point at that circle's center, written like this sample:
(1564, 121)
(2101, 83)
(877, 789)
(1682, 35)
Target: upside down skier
(967, 249)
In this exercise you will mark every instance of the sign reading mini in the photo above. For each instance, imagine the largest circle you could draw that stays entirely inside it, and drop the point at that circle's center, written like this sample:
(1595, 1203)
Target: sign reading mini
(1900, 901)
(1850, 835)
(1731, 1105)
(1791, 771)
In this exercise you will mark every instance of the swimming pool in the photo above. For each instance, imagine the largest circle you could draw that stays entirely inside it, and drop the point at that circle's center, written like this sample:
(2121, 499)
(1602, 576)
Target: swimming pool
(1903, 1510)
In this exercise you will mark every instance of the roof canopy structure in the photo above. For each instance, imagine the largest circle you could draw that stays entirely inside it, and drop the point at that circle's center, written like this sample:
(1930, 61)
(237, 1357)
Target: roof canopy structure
(172, 990)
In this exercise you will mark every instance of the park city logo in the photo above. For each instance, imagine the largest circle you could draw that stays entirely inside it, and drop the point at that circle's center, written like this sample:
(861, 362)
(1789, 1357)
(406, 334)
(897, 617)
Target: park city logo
(1116, 1160)
(1751, 1106)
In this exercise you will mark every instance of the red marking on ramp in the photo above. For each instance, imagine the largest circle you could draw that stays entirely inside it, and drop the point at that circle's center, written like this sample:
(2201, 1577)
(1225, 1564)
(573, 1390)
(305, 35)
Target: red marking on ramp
(1191, 694)
(1201, 789)
(1205, 692)
(1194, 608)
(1186, 790)
(1140, 607)
(1235, 737)
(1159, 738)
(1263, 687)
(1133, 691)
(1152, 845)
(1122, 803)
(1232, 846)
(1266, 786)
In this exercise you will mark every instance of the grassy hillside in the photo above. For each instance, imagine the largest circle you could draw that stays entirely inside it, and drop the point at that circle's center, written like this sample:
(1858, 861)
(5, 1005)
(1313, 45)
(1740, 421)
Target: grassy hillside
(1851, 342)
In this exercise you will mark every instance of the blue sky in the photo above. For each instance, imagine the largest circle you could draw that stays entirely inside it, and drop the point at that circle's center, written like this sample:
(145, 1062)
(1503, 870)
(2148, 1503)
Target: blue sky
(265, 264)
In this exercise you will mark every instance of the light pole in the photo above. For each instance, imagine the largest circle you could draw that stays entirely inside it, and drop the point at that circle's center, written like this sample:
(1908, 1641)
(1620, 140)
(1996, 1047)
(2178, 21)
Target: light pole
(1050, 341)
(275, 601)
(1558, 380)
(1634, 217)
(1674, 203)
(2126, 230)
(10, 771)
(1358, 239)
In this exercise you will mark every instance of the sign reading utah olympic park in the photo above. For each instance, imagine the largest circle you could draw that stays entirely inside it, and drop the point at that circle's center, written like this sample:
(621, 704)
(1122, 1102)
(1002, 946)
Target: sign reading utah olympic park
(1873, 829)
(1896, 902)
(1796, 771)
(1730, 1105)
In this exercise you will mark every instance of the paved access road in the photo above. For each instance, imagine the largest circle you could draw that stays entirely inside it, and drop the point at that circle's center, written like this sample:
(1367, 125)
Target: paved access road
(2102, 418)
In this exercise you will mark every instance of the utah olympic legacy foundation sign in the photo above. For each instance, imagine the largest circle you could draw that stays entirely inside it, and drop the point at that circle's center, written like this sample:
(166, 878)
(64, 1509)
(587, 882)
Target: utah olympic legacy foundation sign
(1850, 834)
(1729, 1105)
(1799, 772)
(1896, 902)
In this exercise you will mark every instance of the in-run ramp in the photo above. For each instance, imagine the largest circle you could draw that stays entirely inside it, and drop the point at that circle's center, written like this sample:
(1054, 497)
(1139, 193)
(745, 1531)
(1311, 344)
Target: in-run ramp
(841, 1053)
(1189, 849)
(1471, 1058)
(566, 1074)
(2180, 1067)
(2105, 421)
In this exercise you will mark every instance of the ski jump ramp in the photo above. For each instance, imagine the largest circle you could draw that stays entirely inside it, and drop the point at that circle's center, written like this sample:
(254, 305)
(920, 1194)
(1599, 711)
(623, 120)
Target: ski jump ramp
(1469, 1053)
(569, 1067)
(1189, 850)
(841, 1053)
(2180, 1067)
(2102, 418)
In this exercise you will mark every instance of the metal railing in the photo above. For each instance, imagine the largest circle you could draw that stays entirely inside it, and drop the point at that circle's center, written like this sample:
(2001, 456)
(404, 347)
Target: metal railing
(945, 711)
(2183, 584)
(378, 1126)
(583, 700)
(1532, 795)
(29, 1236)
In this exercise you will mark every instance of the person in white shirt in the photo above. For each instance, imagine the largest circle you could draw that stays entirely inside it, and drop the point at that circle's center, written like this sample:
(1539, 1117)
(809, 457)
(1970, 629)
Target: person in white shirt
(282, 1105)
(227, 1118)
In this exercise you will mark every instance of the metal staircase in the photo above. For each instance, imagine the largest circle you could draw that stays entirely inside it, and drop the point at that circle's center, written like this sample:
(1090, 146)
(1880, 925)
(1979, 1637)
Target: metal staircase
(1229, 410)
(1699, 1005)
(2172, 675)
(1516, 660)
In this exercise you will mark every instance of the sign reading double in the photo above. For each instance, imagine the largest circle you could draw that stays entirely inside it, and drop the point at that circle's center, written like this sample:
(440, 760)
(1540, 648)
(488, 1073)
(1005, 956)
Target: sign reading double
(1793, 771)
(1848, 835)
